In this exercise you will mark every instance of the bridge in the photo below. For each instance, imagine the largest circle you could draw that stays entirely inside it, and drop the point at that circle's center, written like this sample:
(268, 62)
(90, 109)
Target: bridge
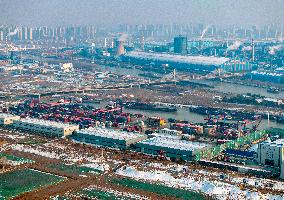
(94, 89)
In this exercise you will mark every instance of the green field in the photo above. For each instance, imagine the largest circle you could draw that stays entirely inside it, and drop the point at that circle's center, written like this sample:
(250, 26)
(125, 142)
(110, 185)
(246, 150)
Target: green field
(101, 195)
(17, 182)
(32, 141)
(16, 159)
(98, 194)
(162, 190)
(73, 169)
(158, 189)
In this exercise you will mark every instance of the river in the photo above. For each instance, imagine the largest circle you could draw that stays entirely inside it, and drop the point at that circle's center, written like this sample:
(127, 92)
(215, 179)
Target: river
(218, 86)
(185, 114)
(239, 89)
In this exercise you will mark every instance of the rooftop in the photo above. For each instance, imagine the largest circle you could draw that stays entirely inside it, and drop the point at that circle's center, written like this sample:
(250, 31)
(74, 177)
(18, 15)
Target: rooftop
(279, 142)
(46, 123)
(5, 115)
(266, 73)
(174, 143)
(198, 60)
(110, 133)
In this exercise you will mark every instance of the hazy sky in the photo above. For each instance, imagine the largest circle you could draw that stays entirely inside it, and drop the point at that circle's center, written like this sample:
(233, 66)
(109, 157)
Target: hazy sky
(111, 12)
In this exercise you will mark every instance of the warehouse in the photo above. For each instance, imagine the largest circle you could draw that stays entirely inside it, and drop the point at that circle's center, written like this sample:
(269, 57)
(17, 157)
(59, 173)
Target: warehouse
(179, 62)
(266, 76)
(108, 137)
(171, 147)
(48, 128)
(166, 131)
(6, 119)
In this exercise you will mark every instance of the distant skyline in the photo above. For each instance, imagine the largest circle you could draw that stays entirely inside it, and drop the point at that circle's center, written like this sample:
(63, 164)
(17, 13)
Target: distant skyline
(114, 12)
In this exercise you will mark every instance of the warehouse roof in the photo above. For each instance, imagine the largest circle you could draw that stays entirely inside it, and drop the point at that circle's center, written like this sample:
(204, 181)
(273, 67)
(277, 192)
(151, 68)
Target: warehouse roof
(174, 143)
(110, 133)
(46, 123)
(279, 142)
(266, 73)
(5, 115)
(198, 60)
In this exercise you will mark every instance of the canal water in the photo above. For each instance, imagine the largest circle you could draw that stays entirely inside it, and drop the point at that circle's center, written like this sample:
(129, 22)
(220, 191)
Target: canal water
(224, 87)
(239, 89)
(185, 114)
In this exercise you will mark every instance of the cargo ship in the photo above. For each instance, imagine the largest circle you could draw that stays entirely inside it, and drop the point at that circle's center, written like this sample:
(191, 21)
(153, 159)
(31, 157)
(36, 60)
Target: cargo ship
(273, 90)
(149, 75)
(147, 106)
(90, 100)
(280, 119)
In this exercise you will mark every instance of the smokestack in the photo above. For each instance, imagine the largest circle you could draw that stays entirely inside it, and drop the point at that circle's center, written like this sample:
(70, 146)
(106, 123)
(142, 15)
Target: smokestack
(120, 45)
(142, 43)
(252, 49)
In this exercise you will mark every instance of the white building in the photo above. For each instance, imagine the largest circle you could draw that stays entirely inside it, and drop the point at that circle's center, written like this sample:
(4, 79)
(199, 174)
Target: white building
(108, 137)
(6, 119)
(272, 153)
(49, 128)
(166, 131)
(66, 67)
(10, 68)
(171, 147)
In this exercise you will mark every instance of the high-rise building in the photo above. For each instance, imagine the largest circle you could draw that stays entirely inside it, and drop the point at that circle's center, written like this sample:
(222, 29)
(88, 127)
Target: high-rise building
(180, 45)
(26, 33)
(1, 36)
(31, 34)
(20, 34)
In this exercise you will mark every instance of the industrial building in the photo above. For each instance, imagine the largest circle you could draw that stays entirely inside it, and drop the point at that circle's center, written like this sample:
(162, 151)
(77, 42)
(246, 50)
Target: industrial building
(166, 131)
(6, 119)
(108, 137)
(272, 154)
(238, 65)
(280, 70)
(266, 76)
(180, 45)
(45, 127)
(179, 62)
(66, 67)
(11, 68)
(171, 147)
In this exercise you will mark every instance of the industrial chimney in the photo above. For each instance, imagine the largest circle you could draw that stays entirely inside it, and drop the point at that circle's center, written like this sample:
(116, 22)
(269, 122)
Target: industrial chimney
(120, 45)
(120, 48)
(252, 50)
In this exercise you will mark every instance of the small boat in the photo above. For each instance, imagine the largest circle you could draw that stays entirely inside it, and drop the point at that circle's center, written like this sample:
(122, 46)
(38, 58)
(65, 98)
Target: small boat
(273, 90)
